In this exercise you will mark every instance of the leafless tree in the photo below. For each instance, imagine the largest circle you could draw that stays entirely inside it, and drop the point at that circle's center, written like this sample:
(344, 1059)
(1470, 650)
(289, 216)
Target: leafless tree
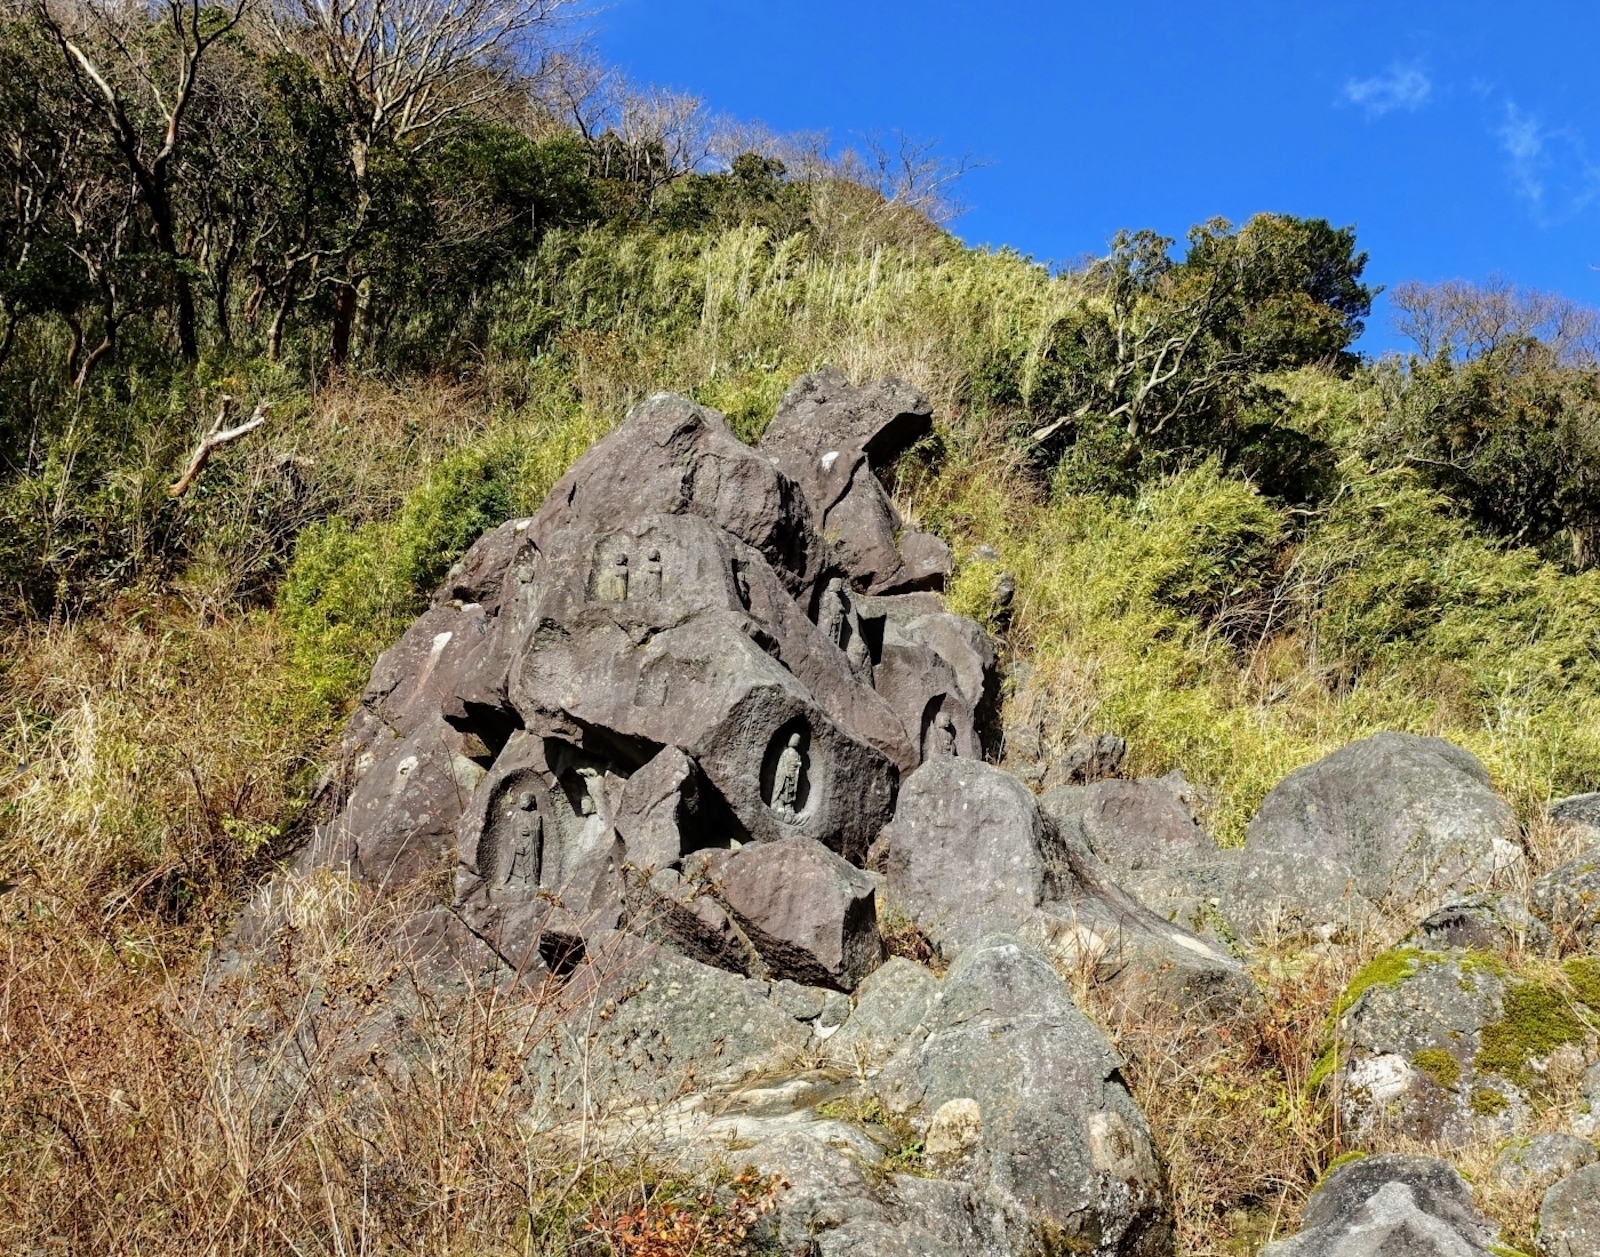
(405, 69)
(132, 79)
(1468, 320)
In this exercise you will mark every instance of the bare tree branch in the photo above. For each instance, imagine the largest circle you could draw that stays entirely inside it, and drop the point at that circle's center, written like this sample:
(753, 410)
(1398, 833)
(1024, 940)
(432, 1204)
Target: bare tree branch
(215, 440)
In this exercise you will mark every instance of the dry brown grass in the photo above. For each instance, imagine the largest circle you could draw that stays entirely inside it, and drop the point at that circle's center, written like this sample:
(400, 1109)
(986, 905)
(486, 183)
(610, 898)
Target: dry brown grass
(149, 1102)
(331, 1101)
(1243, 1136)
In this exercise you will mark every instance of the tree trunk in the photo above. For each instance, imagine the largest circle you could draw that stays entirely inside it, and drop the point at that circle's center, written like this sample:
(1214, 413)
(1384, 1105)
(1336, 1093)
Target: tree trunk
(344, 317)
(103, 350)
(275, 333)
(1582, 537)
(188, 343)
(224, 291)
(5, 341)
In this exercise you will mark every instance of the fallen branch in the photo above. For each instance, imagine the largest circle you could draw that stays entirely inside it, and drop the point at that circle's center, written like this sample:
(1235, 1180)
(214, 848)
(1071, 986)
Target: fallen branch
(215, 440)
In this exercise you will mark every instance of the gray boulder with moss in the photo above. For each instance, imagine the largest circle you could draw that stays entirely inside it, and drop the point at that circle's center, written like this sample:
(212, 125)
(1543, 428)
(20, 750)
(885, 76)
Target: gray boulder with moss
(1396, 1206)
(1456, 1047)
(1567, 900)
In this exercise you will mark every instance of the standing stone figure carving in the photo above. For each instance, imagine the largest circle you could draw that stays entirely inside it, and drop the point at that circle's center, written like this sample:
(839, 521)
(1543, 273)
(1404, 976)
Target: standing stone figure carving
(649, 583)
(787, 778)
(942, 737)
(612, 584)
(526, 841)
(832, 612)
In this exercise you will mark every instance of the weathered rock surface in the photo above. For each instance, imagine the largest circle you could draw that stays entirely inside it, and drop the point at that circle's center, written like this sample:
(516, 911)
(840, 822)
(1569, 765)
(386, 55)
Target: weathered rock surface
(890, 1007)
(1581, 810)
(1409, 817)
(1397, 1206)
(1483, 922)
(1130, 825)
(1569, 1219)
(1567, 900)
(642, 1023)
(1393, 822)
(1149, 968)
(1049, 1124)
(1542, 1160)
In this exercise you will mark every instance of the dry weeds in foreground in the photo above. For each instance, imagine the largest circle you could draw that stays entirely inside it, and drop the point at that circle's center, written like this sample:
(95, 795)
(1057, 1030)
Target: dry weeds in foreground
(329, 1104)
(149, 1107)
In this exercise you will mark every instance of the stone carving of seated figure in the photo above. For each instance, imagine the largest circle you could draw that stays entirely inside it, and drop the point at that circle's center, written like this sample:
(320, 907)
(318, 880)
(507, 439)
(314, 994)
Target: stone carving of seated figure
(786, 781)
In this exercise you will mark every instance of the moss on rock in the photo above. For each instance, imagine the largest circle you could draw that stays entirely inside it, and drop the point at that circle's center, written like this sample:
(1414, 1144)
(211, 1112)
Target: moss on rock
(1537, 1019)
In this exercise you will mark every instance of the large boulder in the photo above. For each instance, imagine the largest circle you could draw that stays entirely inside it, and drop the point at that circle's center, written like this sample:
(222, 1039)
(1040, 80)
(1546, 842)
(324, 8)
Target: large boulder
(638, 1023)
(674, 458)
(1017, 1091)
(1569, 1219)
(1147, 969)
(968, 854)
(1400, 1206)
(1411, 818)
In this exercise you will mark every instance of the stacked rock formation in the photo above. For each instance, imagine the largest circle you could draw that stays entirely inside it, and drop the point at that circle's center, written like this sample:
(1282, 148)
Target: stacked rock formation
(695, 649)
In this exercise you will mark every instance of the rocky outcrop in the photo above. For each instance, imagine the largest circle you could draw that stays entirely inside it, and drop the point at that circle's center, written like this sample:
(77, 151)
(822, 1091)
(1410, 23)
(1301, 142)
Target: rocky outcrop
(701, 735)
(830, 437)
(1399, 1206)
(676, 655)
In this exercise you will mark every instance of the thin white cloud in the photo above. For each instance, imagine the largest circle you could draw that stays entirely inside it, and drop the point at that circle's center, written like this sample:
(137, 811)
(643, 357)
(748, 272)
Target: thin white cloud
(1522, 140)
(1550, 168)
(1401, 87)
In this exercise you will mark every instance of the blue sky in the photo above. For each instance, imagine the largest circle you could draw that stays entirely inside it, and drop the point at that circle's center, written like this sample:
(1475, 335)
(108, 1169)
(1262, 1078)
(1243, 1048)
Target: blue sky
(1460, 138)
